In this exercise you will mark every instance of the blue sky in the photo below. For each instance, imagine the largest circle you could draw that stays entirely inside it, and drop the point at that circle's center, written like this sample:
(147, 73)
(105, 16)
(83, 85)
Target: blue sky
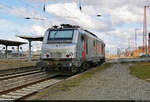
(115, 26)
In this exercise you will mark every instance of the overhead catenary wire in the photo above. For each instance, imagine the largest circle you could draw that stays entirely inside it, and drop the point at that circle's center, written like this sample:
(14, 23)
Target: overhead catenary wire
(8, 7)
(32, 7)
(26, 5)
(44, 6)
(79, 5)
(71, 17)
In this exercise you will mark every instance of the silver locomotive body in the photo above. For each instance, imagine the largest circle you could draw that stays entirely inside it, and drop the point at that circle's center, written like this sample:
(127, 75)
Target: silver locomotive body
(71, 48)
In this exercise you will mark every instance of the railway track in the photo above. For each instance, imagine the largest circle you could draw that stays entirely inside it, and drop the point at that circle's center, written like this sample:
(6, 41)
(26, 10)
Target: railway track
(13, 82)
(9, 76)
(17, 70)
(16, 88)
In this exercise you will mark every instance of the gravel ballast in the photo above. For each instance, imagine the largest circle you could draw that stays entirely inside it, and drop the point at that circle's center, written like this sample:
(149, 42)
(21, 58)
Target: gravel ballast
(114, 83)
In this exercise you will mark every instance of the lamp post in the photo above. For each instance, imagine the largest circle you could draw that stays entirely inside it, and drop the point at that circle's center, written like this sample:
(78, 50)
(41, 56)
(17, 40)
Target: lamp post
(35, 18)
(99, 15)
(136, 38)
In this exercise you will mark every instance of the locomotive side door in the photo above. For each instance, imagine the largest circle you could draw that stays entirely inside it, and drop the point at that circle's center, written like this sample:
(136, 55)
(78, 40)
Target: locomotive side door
(96, 48)
(80, 45)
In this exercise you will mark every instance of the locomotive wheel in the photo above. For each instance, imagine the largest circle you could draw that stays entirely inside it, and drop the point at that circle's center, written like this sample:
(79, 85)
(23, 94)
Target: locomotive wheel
(47, 69)
(94, 64)
(74, 70)
(82, 70)
(43, 69)
(87, 66)
(84, 67)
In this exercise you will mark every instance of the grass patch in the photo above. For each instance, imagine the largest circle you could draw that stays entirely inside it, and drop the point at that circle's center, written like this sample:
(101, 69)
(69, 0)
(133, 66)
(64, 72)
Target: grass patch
(141, 70)
(67, 84)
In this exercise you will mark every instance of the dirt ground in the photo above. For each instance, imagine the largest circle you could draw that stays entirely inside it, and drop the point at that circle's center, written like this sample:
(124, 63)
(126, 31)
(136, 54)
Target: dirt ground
(113, 83)
(15, 63)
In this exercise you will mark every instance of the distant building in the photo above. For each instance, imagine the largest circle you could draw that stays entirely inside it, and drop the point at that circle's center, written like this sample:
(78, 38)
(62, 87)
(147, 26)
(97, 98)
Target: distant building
(142, 49)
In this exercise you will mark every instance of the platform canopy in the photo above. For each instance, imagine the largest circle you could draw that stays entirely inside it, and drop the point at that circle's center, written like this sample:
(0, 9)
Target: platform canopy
(11, 43)
(31, 38)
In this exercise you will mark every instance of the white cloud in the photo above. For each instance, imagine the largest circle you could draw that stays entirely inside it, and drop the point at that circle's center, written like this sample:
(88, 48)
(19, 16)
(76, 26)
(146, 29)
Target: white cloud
(23, 12)
(1, 6)
(9, 30)
(71, 12)
(37, 30)
(123, 16)
(119, 11)
(91, 10)
(13, 29)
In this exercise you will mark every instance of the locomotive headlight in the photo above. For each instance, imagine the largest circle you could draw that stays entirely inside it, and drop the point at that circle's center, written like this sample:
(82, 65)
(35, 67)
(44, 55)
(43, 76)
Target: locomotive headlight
(70, 54)
(47, 55)
(67, 55)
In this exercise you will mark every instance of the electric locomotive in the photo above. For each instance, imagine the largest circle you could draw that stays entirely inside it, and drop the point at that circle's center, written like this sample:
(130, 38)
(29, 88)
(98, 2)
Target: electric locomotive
(70, 48)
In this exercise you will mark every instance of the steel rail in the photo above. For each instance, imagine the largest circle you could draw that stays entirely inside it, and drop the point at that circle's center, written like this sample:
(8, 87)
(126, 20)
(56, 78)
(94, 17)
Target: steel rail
(26, 90)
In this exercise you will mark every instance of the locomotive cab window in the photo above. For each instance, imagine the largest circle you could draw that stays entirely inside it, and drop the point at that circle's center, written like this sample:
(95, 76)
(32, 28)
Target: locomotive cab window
(60, 34)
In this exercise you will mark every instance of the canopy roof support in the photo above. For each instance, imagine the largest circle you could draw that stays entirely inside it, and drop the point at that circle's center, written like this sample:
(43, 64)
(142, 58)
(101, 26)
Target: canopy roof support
(30, 39)
(29, 57)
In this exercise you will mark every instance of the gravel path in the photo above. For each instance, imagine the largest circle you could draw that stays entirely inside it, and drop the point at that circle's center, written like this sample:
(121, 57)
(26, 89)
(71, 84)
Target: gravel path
(114, 83)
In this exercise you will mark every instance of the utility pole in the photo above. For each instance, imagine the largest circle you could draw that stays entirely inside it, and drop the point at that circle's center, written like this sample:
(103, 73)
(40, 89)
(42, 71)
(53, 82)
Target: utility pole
(148, 43)
(129, 45)
(145, 31)
(136, 38)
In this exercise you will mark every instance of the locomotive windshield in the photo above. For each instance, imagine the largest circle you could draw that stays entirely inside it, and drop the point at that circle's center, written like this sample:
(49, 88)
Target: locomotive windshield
(60, 35)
